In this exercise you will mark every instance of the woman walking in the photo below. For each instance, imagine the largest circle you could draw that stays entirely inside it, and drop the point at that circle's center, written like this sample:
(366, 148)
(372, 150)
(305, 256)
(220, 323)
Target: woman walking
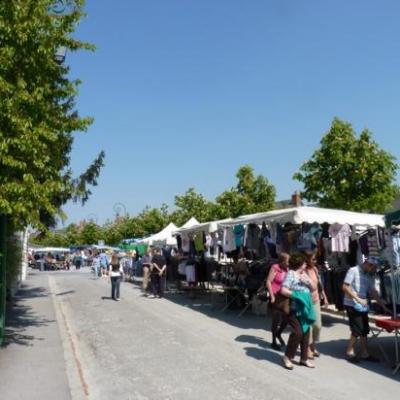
(297, 287)
(318, 298)
(115, 274)
(276, 277)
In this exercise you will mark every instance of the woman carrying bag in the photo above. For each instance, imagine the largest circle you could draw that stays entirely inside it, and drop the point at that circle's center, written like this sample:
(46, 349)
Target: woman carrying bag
(297, 287)
(275, 279)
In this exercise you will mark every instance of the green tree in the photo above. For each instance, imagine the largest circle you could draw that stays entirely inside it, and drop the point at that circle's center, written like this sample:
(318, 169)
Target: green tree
(250, 195)
(349, 172)
(192, 204)
(37, 113)
(90, 233)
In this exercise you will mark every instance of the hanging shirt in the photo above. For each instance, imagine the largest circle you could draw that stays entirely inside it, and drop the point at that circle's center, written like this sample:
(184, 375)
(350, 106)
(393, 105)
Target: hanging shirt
(373, 249)
(185, 242)
(340, 237)
(253, 237)
(239, 235)
(229, 243)
(199, 242)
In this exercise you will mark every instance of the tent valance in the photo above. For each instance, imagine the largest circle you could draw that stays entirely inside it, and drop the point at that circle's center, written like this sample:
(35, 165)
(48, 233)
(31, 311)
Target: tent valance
(298, 215)
(392, 218)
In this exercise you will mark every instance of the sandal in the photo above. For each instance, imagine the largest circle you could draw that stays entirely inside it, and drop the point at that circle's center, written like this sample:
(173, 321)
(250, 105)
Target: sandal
(316, 353)
(307, 364)
(287, 364)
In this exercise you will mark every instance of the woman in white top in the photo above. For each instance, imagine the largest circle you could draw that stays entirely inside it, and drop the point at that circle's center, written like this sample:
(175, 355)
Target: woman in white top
(115, 275)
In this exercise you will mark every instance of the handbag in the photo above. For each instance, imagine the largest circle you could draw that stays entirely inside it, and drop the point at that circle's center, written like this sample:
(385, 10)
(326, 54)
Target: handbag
(282, 303)
(262, 293)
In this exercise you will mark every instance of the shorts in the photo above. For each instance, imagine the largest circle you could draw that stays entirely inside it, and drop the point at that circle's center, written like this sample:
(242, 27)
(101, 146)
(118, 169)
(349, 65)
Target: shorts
(359, 324)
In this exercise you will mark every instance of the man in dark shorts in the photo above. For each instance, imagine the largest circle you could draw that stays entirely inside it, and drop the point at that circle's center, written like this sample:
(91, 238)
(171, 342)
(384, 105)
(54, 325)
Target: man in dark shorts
(357, 285)
(158, 268)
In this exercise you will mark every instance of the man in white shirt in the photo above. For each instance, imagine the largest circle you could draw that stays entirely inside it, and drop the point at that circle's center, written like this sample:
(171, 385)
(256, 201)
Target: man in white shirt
(357, 285)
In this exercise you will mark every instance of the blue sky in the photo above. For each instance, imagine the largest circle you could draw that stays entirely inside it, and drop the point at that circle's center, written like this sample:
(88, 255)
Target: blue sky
(183, 92)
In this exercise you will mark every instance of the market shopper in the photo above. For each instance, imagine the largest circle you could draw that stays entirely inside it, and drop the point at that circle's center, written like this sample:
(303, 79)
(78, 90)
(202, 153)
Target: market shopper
(297, 287)
(146, 265)
(157, 273)
(358, 284)
(103, 264)
(275, 279)
(318, 297)
(115, 275)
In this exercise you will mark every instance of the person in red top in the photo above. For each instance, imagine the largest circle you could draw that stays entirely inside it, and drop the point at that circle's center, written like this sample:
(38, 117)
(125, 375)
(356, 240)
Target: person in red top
(276, 276)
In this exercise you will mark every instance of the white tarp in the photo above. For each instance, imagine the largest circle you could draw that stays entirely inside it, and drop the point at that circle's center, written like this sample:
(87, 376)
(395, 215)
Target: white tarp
(162, 238)
(189, 224)
(206, 227)
(50, 250)
(298, 215)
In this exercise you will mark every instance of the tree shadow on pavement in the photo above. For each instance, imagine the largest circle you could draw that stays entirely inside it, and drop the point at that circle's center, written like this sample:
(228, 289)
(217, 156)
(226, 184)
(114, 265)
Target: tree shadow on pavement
(20, 318)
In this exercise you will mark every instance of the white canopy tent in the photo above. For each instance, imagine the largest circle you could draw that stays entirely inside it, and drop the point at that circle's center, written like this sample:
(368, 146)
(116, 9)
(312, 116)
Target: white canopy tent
(298, 215)
(163, 238)
(50, 250)
(189, 224)
(207, 227)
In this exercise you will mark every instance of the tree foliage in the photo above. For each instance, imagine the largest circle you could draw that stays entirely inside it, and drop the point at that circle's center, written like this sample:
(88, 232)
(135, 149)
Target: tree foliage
(250, 195)
(38, 115)
(349, 172)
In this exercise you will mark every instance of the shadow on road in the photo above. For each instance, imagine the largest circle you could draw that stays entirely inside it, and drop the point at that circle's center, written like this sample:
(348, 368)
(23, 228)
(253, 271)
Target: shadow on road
(20, 318)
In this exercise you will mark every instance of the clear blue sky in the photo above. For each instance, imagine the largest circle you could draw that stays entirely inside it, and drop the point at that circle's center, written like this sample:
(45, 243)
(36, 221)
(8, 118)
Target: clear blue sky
(185, 91)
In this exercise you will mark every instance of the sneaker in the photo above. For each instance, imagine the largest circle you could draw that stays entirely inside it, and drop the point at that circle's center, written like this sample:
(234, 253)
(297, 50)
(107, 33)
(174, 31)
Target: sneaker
(118, 299)
(151, 296)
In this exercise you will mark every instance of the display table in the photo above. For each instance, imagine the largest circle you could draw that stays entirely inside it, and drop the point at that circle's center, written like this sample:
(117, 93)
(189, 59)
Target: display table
(387, 324)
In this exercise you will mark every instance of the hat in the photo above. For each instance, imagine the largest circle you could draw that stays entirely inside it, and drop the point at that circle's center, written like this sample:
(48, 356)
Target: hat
(374, 261)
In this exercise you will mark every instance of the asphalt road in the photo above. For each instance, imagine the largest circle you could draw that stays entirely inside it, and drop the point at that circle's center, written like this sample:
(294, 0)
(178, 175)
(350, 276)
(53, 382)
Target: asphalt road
(179, 348)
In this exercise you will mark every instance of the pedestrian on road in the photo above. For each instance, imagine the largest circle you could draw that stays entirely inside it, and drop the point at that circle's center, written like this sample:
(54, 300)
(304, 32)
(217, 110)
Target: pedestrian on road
(158, 269)
(103, 263)
(115, 275)
(96, 265)
(146, 265)
(318, 297)
(276, 277)
(358, 283)
(298, 287)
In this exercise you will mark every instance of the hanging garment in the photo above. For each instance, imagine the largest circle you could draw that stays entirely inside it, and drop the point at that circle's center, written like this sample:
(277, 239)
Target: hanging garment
(340, 237)
(199, 242)
(239, 235)
(396, 249)
(253, 237)
(373, 246)
(190, 273)
(185, 242)
(229, 243)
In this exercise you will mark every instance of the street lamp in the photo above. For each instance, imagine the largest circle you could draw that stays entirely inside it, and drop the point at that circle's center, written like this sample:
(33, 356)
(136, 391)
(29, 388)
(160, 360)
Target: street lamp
(119, 208)
(92, 218)
(62, 8)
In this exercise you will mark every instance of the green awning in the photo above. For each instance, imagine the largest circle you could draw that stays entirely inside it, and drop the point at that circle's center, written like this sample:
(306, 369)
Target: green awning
(392, 218)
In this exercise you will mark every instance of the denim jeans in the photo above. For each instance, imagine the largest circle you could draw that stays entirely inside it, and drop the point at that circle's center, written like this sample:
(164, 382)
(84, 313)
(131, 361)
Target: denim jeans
(115, 285)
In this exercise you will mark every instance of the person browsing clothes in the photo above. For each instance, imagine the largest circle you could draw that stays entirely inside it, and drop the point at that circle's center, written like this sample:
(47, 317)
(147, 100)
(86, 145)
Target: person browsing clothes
(358, 284)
